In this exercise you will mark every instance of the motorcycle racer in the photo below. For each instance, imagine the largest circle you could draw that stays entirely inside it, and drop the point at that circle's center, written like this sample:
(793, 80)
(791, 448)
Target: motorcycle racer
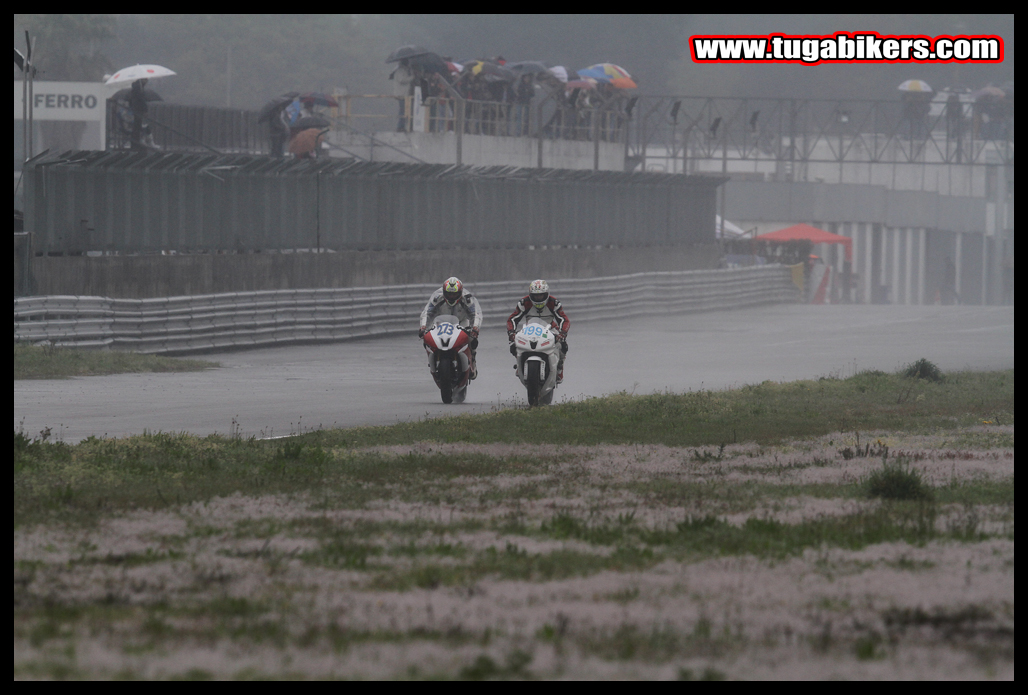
(539, 303)
(452, 300)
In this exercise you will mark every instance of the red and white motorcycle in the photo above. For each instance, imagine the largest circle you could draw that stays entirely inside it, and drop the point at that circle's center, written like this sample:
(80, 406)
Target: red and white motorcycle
(449, 358)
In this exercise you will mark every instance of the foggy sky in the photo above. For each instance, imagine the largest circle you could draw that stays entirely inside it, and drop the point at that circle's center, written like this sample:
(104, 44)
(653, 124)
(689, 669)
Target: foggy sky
(263, 55)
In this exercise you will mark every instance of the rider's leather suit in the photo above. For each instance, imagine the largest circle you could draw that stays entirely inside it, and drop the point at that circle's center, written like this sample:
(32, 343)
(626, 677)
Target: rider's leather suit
(467, 310)
(552, 312)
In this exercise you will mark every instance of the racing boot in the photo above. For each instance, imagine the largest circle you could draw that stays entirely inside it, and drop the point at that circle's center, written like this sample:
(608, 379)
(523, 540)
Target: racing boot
(474, 366)
(560, 372)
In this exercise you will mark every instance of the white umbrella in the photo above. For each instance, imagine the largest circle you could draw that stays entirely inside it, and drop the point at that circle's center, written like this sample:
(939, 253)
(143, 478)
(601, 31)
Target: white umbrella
(139, 72)
(915, 86)
(560, 72)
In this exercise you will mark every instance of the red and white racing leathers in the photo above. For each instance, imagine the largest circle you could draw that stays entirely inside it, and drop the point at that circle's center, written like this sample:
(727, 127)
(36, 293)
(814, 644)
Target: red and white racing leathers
(552, 311)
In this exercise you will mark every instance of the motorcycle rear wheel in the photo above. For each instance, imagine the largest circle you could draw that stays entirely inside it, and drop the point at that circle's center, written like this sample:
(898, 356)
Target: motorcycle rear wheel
(445, 374)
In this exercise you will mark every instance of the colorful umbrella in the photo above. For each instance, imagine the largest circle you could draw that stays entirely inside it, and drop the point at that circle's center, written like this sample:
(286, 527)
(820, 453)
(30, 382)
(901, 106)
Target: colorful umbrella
(612, 74)
(915, 86)
(584, 83)
(139, 72)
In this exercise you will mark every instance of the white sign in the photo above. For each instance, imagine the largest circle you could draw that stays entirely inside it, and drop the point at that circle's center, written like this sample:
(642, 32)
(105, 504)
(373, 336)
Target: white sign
(65, 101)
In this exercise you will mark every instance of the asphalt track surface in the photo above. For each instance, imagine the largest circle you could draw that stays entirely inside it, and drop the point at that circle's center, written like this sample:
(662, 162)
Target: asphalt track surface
(280, 391)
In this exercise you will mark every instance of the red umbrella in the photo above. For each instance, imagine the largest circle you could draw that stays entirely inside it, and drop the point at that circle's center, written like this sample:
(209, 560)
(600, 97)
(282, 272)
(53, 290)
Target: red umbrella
(804, 232)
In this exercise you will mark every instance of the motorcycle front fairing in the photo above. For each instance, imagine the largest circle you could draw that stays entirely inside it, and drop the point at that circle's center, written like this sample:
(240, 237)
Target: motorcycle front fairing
(537, 341)
(447, 339)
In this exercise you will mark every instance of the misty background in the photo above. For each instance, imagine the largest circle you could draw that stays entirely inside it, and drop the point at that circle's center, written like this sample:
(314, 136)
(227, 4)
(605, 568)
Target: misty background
(242, 60)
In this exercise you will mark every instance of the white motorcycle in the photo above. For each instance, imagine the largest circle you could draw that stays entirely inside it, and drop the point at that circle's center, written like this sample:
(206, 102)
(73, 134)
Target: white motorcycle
(538, 352)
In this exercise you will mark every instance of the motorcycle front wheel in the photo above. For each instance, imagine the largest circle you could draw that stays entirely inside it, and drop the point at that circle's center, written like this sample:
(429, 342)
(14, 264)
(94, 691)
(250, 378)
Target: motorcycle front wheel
(533, 382)
(445, 374)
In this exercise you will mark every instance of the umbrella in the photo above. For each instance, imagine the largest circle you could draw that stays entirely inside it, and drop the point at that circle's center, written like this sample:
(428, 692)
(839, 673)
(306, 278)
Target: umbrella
(148, 95)
(811, 234)
(990, 91)
(320, 99)
(560, 72)
(528, 67)
(306, 142)
(915, 86)
(316, 122)
(584, 83)
(139, 72)
(490, 71)
(431, 63)
(612, 74)
(406, 52)
(269, 110)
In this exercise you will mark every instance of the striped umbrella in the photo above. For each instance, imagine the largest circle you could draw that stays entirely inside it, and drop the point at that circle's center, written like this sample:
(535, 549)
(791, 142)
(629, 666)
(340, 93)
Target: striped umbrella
(612, 74)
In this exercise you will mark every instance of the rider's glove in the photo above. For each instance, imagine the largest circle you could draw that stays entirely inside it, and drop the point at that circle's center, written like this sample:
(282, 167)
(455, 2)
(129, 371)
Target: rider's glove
(473, 333)
(513, 349)
(421, 332)
(510, 336)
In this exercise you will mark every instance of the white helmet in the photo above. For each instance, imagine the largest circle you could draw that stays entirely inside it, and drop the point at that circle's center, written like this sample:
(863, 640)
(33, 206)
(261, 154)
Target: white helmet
(539, 292)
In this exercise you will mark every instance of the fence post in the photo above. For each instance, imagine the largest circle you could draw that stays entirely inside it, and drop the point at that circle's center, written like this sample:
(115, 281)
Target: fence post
(459, 134)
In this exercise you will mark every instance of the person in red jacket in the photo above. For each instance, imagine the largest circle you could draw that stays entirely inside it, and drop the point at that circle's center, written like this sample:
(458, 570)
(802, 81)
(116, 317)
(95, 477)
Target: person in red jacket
(539, 303)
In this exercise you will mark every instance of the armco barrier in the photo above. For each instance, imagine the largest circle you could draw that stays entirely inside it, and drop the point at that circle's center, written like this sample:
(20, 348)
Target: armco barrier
(181, 325)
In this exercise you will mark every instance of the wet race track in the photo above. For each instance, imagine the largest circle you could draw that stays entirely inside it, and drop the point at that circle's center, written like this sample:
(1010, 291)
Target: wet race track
(278, 391)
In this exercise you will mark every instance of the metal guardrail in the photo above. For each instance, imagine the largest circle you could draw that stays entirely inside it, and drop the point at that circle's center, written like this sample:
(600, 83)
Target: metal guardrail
(182, 325)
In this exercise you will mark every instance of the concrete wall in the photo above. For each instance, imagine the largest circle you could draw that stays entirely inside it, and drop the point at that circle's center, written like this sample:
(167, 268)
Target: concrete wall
(141, 277)
(482, 150)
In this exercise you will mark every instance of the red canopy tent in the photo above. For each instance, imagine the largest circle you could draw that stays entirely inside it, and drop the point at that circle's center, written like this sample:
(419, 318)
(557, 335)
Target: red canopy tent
(814, 235)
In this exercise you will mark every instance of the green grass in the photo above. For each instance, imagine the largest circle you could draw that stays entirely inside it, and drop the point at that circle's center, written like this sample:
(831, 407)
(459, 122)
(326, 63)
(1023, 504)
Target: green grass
(765, 413)
(47, 362)
(896, 480)
(59, 481)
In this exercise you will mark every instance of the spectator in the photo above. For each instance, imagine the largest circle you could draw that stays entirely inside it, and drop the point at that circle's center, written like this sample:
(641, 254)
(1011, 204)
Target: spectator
(292, 112)
(524, 90)
(142, 139)
(403, 88)
(915, 108)
(955, 124)
(279, 126)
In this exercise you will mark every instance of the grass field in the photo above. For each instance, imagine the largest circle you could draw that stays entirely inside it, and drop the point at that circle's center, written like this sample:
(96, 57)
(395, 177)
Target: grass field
(853, 528)
(47, 362)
